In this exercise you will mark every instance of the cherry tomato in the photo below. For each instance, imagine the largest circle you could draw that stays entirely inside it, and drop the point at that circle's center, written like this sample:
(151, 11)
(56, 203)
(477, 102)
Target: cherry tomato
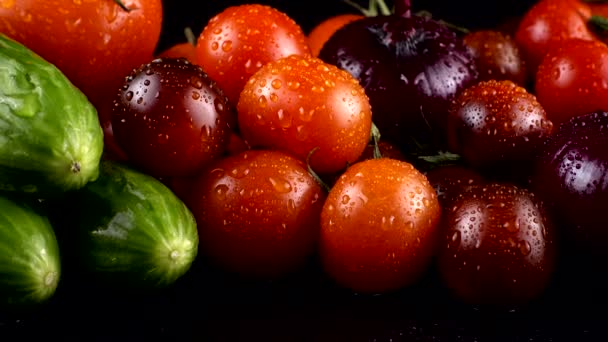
(572, 80)
(497, 56)
(258, 213)
(241, 39)
(325, 29)
(171, 119)
(550, 22)
(451, 180)
(494, 124)
(378, 226)
(95, 43)
(185, 49)
(298, 103)
(497, 246)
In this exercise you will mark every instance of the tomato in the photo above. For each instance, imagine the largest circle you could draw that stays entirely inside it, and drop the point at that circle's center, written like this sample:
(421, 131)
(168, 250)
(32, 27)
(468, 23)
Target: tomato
(171, 119)
(241, 39)
(185, 49)
(451, 180)
(299, 103)
(95, 43)
(325, 29)
(497, 56)
(379, 226)
(258, 213)
(497, 246)
(550, 22)
(497, 126)
(572, 80)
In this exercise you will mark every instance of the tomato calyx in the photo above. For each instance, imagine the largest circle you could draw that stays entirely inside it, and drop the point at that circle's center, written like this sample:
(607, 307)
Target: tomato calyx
(190, 37)
(375, 140)
(312, 172)
(599, 24)
(123, 6)
(375, 8)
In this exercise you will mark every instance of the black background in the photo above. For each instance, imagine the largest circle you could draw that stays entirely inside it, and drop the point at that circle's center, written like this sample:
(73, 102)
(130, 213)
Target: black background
(208, 305)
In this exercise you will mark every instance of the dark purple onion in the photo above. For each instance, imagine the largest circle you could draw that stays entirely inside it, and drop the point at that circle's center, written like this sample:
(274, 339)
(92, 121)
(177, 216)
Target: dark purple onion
(571, 175)
(411, 69)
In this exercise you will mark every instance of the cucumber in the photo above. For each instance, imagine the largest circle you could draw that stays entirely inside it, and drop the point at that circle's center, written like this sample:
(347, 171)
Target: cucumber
(129, 230)
(30, 266)
(50, 136)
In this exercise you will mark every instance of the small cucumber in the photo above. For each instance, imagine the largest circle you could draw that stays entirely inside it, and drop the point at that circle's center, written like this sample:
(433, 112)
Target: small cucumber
(130, 230)
(30, 266)
(50, 136)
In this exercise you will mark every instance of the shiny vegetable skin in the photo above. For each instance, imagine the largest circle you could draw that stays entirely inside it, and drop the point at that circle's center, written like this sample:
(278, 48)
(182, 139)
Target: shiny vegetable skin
(50, 136)
(131, 231)
(30, 265)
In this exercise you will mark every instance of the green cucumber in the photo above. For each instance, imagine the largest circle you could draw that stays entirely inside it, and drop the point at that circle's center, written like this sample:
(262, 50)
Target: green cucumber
(50, 136)
(130, 230)
(30, 266)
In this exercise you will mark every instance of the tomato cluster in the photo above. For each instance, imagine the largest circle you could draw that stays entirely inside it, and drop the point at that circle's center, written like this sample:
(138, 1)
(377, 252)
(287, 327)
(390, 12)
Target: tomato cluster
(273, 146)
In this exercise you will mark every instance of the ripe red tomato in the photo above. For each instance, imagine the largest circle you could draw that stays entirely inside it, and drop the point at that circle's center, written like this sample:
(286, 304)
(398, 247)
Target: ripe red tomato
(497, 124)
(95, 43)
(171, 119)
(298, 103)
(325, 29)
(379, 226)
(241, 39)
(497, 246)
(258, 212)
(497, 56)
(550, 22)
(572, 80)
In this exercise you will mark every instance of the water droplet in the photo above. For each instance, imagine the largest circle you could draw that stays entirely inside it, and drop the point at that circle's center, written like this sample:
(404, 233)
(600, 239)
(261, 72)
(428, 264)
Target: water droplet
(214, 46)
(291, 206)
(525, 248)
(284, 118)
(196, 95)
(227, 46)
(129, 96)
(276, 83)
(345, 199)
(220, 191)
(280, 185)
(262, 101)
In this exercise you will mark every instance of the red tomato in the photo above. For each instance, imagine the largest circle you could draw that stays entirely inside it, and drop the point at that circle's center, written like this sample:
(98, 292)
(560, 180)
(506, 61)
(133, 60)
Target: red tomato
(325, 29)
(95, 43)
(378, 226)
(572, 80)
(298, 103)
(171, 119)
(550, 22)
(497, 246)
(184, 50)
(241, 39)
(258, 213)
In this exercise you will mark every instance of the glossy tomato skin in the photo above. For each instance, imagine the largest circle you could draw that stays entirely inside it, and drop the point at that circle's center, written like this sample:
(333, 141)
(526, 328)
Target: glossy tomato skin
(449, 181)
(324, 30)
(495, 125)
(379, 226)
(297, 104)
(571, 175)
(548, 23)
(497, 56)
(258, 213)
(572, 79)
(171, 119)
(497, 246)
(241, 39)
(95, 43)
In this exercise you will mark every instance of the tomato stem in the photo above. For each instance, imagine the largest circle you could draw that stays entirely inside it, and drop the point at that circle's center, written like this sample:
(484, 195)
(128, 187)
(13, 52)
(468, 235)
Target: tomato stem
(313, 173)
(441, 158)
(375, 8)
(122, 5)
(375, 137)
(190, 37)
(600, 23)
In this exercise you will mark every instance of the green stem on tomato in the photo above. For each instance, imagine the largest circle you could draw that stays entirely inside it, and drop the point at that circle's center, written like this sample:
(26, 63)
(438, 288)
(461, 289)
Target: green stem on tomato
(313, 173)
(375, 8)
(599, 22)
(454, 27)
(122, 5)
(375, 137)
(190, 37)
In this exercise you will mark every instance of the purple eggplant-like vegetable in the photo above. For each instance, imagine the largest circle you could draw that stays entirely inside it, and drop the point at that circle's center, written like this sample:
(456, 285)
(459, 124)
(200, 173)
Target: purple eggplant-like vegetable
(411, 67)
